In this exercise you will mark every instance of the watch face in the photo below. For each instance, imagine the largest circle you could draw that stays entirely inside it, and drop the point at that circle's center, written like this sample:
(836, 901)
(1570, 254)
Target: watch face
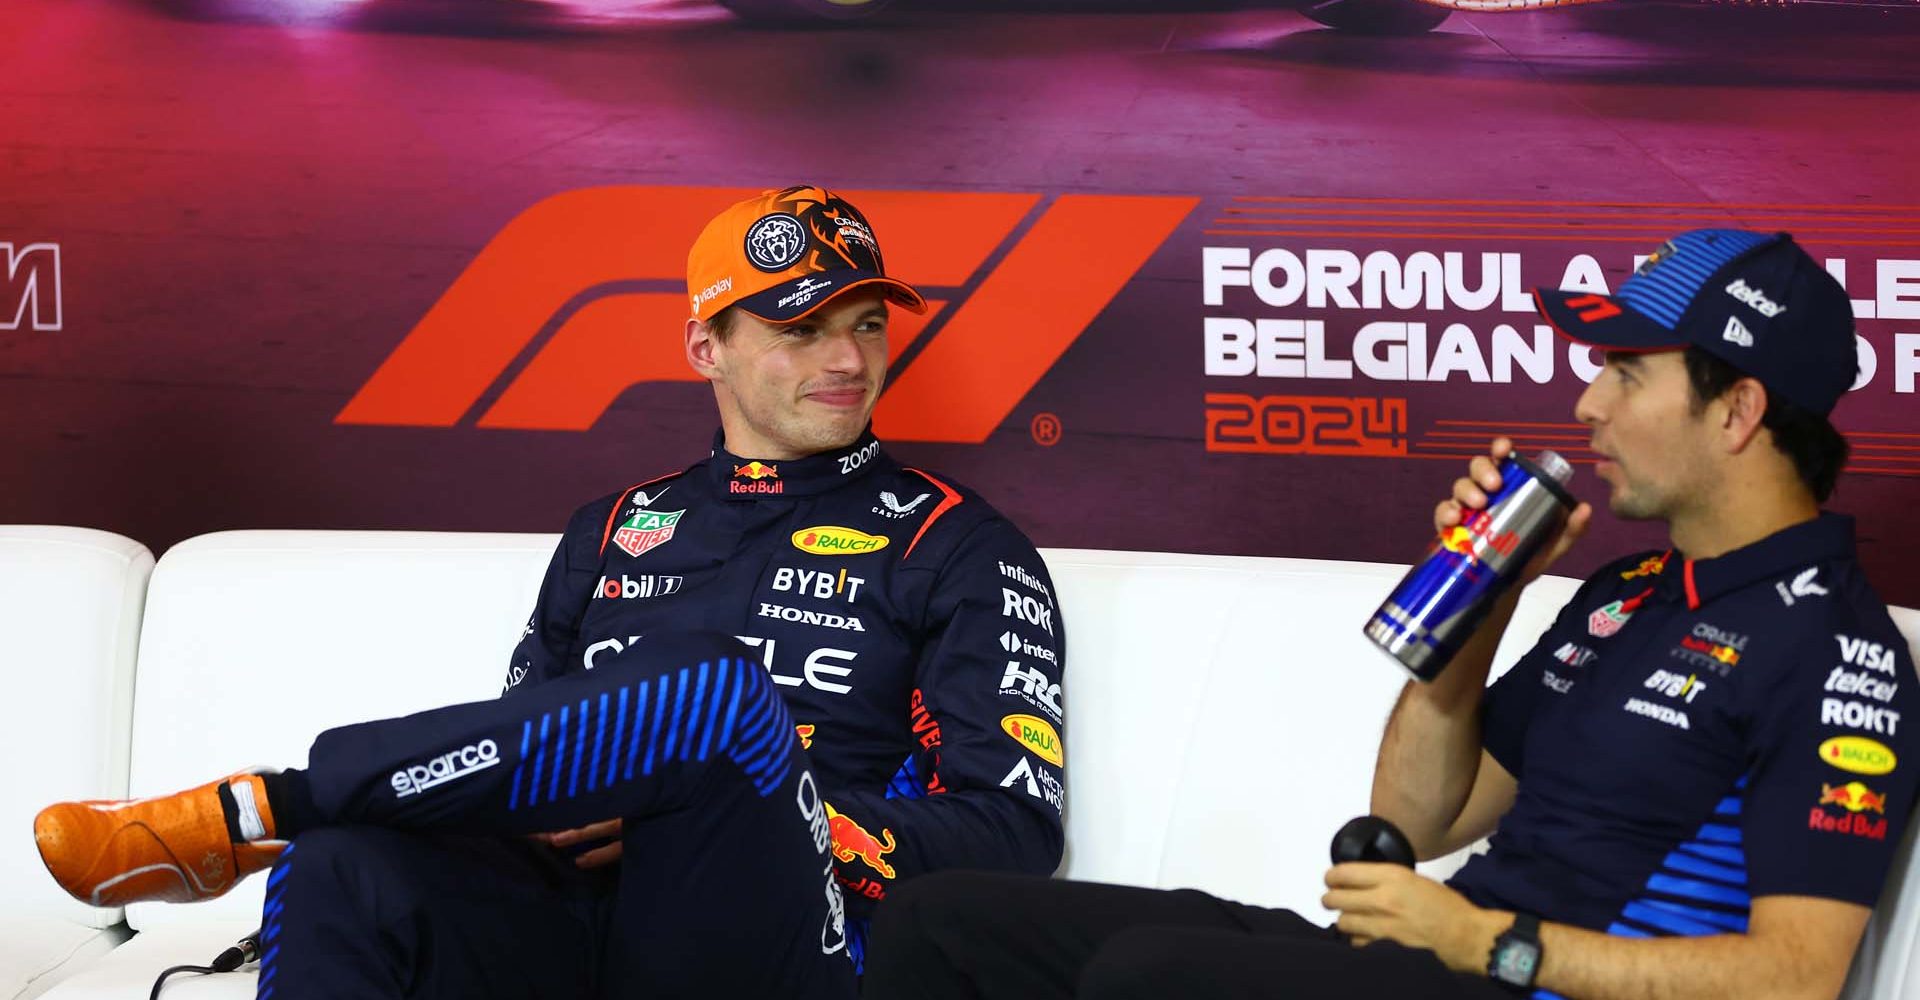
(1517, 962)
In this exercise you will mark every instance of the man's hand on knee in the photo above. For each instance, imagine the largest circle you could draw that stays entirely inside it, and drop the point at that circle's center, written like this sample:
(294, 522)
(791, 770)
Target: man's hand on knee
(1386, 901)
(605, 854)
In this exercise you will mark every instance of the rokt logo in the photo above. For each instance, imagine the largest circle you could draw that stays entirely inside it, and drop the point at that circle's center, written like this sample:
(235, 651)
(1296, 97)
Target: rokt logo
(535, 334)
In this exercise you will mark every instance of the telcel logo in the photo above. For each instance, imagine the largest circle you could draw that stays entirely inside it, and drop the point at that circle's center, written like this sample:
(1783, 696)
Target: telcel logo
(444, 768)
(830, 540)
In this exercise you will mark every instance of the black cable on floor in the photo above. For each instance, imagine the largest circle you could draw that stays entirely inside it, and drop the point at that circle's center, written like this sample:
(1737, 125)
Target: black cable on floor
(161, 982)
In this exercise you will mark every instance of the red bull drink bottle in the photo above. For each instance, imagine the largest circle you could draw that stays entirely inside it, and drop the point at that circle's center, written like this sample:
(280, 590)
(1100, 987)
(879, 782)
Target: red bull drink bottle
(1446, 595)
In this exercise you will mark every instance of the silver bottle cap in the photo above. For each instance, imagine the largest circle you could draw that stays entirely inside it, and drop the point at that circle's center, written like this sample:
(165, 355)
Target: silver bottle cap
(1553, 465)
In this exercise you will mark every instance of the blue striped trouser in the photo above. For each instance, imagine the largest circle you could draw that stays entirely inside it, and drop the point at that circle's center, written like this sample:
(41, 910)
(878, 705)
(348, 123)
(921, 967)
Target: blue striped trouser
(414, 884)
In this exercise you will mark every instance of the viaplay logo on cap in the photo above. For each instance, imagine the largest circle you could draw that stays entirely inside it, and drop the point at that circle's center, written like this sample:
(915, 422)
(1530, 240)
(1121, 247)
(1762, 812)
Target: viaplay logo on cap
(776, 242)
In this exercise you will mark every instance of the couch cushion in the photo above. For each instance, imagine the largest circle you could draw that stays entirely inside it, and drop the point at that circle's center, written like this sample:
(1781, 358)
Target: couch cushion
(1223, 714)
(128, 972)
(70, 605)
(258, 640)
(1888, 965)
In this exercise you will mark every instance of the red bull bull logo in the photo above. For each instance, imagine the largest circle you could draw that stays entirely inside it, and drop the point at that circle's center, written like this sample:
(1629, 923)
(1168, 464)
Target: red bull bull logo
(1723, 653)
(1461, 538)
(757, 476)
(851, 840)
(1859, 801)
(805, 732)
(1650, 566)
(1853, 797)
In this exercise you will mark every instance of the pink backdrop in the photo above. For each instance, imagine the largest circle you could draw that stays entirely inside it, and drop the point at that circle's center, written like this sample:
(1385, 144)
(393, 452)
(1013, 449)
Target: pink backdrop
(1214, 281)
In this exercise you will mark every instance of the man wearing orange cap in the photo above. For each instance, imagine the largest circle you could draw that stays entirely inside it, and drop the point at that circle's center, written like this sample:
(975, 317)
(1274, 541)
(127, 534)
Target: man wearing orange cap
(771, 685)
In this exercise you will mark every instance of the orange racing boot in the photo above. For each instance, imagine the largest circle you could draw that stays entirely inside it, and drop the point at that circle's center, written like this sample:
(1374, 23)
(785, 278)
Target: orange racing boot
(187, 846)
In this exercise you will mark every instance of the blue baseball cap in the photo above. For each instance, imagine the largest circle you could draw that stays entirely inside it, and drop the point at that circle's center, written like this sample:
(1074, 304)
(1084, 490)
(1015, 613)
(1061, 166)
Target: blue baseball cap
(1755, 300)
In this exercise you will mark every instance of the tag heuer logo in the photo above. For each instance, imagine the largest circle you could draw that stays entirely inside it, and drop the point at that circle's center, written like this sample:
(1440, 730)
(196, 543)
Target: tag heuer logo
(646, 529)
(1606, 621)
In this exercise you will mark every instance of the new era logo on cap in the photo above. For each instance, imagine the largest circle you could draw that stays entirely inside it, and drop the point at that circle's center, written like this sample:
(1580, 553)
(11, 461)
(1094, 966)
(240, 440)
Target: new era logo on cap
(782, 254)
(1755, 300)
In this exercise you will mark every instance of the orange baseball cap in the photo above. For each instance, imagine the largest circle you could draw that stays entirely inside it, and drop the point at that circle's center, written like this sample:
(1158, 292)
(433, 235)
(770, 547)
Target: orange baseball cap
(782, 254)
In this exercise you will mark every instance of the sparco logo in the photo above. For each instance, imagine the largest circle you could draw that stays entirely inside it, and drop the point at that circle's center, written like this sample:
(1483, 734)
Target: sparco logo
(444, 768)
(819, 618)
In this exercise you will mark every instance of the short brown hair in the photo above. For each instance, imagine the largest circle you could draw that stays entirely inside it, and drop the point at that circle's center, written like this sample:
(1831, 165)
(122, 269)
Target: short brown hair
(1809, 440)
(722, 322)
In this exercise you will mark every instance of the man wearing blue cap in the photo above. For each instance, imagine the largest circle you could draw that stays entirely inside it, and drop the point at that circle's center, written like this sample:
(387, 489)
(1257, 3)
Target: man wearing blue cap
(1695, 773)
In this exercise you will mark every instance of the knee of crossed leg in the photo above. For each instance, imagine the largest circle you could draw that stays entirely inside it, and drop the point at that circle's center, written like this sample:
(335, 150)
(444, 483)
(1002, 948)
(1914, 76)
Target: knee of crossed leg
(339, 870)
(920, 913)
(1139, 962)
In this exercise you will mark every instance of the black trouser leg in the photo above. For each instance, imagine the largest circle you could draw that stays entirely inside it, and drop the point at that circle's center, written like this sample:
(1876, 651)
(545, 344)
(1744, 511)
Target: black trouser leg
(359, 911)
(977, 935)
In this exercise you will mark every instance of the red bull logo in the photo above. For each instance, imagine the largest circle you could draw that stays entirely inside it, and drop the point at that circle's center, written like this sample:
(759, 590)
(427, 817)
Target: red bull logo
(756, 475)
(805, 732)
(1725, 654)
(1853, 797)
(1650, 566)
(851, 840)
(1461, 538)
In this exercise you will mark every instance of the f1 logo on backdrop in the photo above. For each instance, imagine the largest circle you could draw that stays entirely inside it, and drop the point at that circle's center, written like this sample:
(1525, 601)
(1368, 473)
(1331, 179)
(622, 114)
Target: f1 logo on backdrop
(30, 286)
(1011, 280)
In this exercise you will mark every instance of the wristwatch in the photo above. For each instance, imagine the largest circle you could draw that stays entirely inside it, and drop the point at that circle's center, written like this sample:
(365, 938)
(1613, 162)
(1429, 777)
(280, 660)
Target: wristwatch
(1516, 954)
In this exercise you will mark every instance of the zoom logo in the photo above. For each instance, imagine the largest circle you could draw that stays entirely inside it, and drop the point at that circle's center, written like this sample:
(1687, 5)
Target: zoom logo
(444, 768)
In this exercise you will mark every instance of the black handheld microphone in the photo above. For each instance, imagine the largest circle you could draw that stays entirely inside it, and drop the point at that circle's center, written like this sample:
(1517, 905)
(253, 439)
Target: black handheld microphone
(247, 949)
(1370, 838)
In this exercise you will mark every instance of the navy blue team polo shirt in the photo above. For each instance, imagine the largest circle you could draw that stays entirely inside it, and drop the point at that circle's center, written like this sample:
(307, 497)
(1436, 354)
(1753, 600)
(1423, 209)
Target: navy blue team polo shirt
(1692, 734)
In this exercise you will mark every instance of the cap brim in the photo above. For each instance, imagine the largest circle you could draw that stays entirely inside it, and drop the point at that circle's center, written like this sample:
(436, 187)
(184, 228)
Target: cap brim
(797, 299)
(1603, 321)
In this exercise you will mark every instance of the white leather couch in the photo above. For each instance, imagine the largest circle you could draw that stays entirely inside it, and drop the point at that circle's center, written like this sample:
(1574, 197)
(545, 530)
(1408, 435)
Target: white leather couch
(1223, 711)
(70, 606)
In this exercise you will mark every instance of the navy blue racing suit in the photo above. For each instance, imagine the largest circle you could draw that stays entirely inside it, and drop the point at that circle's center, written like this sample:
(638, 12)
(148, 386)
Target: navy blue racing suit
(902, 714)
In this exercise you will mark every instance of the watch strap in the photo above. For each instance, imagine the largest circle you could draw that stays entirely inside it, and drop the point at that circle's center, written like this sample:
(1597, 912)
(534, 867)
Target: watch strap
(1524, 933)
